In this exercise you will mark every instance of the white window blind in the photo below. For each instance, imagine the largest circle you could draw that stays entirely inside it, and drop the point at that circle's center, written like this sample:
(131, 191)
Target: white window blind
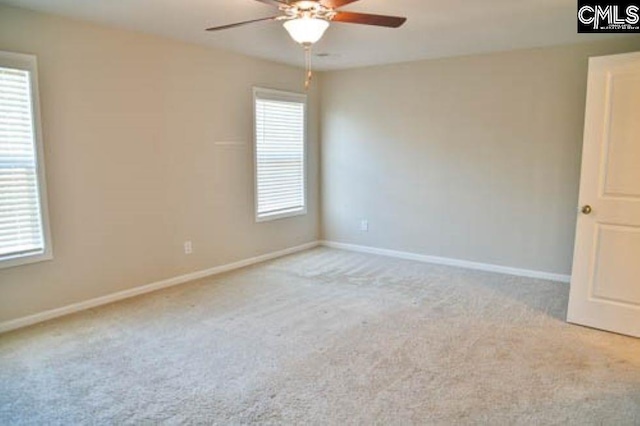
(22, 232)
(280, 154)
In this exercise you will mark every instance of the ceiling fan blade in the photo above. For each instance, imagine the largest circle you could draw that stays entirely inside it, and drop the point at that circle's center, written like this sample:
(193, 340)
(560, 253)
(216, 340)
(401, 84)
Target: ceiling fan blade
(237, 24)
(334, 4)
(368, 19)
(276, 3)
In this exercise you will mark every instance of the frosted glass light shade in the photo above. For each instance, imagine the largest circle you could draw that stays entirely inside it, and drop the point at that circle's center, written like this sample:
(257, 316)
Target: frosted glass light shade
(306, 30)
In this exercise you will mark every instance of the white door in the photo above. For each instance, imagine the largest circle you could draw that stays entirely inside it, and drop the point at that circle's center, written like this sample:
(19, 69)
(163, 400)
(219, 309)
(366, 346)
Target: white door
(605, 282)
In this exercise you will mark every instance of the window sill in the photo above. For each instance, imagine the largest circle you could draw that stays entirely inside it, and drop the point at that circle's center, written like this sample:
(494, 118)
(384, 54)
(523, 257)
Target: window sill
(281, 215)
(11, 261)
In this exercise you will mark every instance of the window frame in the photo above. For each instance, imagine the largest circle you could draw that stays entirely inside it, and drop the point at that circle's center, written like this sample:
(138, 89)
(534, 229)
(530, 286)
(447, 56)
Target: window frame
(280, 95)
(29, 63)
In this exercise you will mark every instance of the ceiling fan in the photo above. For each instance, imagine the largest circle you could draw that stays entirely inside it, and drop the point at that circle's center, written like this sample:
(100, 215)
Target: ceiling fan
(307, 20)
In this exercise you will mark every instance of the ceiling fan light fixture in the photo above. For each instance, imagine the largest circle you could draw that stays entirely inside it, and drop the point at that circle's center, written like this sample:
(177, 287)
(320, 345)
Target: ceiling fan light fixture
(306, 30)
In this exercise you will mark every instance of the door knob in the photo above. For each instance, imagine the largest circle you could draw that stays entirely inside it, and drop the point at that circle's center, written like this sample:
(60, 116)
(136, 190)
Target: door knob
(586, 209)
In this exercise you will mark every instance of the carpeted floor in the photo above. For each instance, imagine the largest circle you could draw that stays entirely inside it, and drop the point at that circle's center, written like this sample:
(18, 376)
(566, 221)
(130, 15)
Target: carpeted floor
(325, 337)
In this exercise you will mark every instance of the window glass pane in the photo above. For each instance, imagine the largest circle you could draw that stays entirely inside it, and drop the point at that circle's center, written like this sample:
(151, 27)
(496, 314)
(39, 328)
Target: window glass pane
(20, 219)
(280, 164)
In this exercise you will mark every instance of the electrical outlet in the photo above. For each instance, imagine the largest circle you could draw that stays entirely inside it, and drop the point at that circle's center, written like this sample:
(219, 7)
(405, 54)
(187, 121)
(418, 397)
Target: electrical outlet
(364, 225)
(188, 248)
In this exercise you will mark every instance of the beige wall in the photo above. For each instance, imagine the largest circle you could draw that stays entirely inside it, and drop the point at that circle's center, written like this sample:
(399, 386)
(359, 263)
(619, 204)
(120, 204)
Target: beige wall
(473, 158)
(130, 125)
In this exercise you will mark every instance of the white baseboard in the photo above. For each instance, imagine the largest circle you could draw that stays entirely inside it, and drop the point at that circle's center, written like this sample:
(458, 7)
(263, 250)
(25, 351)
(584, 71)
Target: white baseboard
(136, 291)
(450, 262)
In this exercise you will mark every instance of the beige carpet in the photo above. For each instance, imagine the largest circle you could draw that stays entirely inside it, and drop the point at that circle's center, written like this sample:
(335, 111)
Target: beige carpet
(325, 337)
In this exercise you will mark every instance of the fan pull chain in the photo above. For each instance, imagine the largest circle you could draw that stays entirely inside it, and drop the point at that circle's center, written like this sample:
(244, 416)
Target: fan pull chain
(307, 60)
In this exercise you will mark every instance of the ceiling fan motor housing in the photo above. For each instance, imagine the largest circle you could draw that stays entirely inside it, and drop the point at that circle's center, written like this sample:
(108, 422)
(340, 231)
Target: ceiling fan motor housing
(308, 9)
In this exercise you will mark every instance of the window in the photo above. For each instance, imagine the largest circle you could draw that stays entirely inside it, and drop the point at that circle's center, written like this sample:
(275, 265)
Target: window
(24, 234)
(280, 133)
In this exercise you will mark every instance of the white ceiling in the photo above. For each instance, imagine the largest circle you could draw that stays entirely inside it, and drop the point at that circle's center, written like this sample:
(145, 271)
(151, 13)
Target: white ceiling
(435, 28)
